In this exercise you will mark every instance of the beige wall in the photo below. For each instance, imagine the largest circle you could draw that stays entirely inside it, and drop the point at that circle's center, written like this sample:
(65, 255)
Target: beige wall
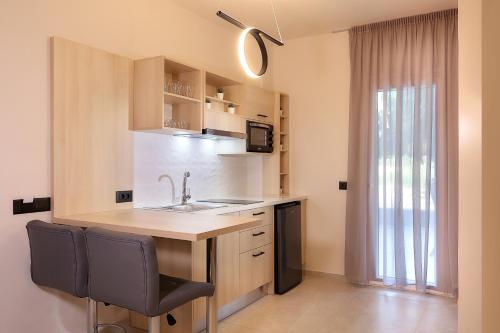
(315, 72)
(479, 246)
(127, 27)
(470, 104)
(491, 166)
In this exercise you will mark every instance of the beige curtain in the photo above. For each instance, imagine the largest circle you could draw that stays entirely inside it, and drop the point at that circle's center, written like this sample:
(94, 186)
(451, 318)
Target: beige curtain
(401, 224)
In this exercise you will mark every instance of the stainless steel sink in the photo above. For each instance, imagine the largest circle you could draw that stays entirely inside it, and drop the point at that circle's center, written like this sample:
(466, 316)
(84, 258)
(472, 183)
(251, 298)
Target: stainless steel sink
(187, 208)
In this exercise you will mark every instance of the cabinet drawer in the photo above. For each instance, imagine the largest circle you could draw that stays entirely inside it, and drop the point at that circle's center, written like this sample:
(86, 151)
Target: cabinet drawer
(256, 268)
(254, 238)
(266, 214)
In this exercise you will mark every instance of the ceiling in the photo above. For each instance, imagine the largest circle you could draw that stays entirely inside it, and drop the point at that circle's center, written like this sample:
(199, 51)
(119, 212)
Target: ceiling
(300, 18)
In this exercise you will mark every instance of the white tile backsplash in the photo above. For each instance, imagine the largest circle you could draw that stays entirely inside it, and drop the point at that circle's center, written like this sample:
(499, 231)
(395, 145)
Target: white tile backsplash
(211, 175)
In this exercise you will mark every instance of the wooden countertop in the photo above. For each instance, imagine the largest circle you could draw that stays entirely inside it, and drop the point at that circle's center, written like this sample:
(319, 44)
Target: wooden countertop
(183, 226)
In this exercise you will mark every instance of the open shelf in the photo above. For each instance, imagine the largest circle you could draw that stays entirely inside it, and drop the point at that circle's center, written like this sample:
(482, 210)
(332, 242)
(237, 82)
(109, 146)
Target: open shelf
(284, 140)
(171, 98)
(154, 105)
(223, 101)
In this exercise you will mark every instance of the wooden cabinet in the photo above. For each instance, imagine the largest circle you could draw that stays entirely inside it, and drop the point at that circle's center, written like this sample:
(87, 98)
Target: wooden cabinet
(241, 266)
(224, 121)
(216, 115)
(256, 268)
(228, 273)
(255, 103)
(257, 251)
(167, 97)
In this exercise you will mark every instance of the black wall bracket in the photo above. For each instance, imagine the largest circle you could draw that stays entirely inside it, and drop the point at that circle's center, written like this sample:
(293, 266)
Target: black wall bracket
(38, 205)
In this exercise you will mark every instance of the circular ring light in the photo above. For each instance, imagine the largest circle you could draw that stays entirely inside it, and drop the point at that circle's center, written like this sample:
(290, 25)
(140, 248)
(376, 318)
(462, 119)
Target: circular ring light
(241, 52)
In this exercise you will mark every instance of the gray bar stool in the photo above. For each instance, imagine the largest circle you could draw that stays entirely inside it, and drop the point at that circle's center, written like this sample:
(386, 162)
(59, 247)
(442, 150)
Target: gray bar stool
(59, 261)
(123, 271)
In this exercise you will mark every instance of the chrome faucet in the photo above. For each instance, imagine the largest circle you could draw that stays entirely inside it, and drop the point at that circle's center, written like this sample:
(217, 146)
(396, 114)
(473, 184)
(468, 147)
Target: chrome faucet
(172, 185)
(186, 193)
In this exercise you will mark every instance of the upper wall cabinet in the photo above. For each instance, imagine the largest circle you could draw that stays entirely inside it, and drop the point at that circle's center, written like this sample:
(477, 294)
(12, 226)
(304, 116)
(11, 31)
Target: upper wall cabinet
(218, 105)
(168, 97)
(254, 103)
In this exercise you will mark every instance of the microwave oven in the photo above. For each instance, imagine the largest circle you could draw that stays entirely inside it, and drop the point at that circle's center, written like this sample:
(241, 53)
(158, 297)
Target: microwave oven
(259, 137)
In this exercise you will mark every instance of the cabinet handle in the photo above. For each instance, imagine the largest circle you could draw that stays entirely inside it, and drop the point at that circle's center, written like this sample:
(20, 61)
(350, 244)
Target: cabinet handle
(262, 115)
(258, 254)
(259, 233)
(257, 214)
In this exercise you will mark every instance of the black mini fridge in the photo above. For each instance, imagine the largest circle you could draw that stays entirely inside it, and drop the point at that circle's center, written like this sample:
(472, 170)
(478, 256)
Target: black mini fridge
(288, 248)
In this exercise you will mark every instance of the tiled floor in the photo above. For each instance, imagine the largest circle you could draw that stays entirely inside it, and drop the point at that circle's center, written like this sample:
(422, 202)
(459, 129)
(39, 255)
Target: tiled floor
(328, 305)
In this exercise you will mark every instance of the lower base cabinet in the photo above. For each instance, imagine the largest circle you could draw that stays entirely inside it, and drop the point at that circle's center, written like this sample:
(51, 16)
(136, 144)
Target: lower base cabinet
(256, 268)
(228, 272)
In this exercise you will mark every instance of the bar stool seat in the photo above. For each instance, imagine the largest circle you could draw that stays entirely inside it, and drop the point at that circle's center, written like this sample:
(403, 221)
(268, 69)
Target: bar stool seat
(123, 271)
(175, 292)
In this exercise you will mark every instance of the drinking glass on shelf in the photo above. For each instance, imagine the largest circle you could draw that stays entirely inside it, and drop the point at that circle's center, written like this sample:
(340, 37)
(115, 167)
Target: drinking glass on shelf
(168, 85)
(183, 89)
(179, 87)
(175, 87)
(189, 90)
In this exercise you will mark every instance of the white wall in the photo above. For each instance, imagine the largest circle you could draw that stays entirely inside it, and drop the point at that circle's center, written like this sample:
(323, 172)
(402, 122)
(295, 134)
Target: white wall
(126, 27)
(212, 176)
(315, 71)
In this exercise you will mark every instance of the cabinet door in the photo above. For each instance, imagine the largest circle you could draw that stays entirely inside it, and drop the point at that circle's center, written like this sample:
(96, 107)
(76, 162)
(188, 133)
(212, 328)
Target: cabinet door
(256, 268)
(228, 256)
(224, 121)
(259, 104)
(255, 103)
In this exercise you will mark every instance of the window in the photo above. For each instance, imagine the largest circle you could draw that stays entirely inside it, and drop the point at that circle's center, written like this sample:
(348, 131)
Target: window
(405, 159)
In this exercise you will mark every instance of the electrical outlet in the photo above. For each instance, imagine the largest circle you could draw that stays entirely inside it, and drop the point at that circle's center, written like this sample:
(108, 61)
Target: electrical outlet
(124, 196)
(343, 185)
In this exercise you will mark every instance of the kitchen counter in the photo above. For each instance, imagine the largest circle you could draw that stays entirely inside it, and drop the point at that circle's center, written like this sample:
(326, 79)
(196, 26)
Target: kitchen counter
(194, 226)
(266, 202)
(163, 224)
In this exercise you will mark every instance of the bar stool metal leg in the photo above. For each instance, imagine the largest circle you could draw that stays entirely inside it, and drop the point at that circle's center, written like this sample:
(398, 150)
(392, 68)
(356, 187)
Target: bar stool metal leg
(154, 324)
(211, 278)
(91, 316)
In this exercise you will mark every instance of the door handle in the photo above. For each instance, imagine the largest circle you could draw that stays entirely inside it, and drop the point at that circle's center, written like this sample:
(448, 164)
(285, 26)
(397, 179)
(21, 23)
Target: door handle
(262, 115)
(259, 234)
(257, 214)
(258, 254)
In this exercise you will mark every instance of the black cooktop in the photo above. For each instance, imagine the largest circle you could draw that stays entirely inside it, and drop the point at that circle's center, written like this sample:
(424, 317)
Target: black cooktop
(231, 201)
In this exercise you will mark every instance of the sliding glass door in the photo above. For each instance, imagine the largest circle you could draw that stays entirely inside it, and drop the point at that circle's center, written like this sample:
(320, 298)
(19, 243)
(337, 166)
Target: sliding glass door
(405, 176)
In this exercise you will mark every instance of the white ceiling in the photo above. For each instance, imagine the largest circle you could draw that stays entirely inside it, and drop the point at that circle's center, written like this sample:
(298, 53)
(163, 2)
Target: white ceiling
(299, 18)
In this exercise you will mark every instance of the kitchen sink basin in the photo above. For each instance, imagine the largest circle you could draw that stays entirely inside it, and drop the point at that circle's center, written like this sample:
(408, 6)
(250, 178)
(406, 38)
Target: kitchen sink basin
(187, 208)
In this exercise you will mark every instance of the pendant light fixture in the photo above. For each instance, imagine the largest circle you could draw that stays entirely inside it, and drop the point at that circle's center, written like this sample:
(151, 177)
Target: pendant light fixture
(257, 34)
